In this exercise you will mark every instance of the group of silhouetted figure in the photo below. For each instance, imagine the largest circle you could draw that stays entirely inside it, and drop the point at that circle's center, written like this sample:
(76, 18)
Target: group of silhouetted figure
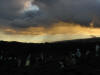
(65, 58)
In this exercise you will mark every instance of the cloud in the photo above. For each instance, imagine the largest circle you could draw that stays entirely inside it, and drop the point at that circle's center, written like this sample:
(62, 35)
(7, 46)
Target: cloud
(58, 32)
(11, 8)
(79, 11)
(50, 11)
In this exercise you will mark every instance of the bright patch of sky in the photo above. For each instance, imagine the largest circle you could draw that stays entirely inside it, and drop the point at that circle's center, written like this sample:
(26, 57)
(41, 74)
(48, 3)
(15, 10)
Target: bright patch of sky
(28, 6)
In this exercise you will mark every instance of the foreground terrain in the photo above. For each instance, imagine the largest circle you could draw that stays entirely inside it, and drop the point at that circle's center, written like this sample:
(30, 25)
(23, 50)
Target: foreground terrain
(75, 57)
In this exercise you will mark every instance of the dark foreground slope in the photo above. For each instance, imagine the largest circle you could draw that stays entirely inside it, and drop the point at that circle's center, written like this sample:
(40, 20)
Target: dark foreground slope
(59, 58)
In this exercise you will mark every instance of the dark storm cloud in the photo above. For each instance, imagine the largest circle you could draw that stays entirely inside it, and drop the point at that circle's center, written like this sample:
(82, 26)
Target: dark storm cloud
(47, 2)
(10, 8)
(79, 11)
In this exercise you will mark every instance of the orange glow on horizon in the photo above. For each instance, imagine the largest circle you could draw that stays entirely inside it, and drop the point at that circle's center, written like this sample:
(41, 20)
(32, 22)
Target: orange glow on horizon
(57, 32)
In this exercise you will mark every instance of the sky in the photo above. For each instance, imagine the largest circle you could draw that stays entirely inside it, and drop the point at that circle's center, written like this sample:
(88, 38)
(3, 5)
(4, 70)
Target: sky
(40, 21)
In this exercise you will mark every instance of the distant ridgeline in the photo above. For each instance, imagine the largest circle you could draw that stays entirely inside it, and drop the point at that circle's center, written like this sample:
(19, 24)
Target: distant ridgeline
(66, 53)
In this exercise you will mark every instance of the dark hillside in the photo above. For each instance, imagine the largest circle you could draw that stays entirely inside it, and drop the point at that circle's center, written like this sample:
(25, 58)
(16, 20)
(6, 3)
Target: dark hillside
(59, 58)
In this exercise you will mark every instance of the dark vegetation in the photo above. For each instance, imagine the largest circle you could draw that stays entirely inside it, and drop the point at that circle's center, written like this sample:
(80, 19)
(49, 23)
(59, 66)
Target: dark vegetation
(76, 57)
